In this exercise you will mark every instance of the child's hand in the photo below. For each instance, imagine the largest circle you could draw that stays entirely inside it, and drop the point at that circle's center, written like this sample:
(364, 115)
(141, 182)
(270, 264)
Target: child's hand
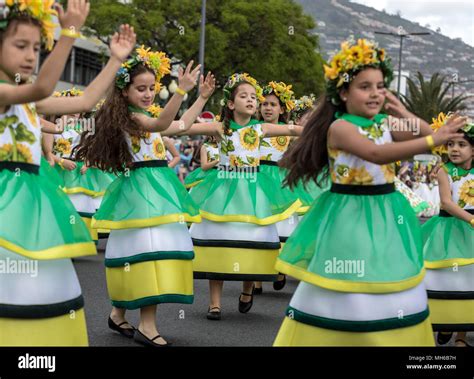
(84, 168)
(75, 15)
(122, 43)
(187, 80)
(68, 164)
(449, 130)
(50, 159)
(207, 87)
(393, 105)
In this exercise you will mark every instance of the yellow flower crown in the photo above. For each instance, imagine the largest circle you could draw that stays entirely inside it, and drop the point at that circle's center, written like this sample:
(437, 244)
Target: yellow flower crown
(41, 10)
(155, 60)
(234, 80)
(71, 92)
(302, 105)
(352, 58)
(283, 92)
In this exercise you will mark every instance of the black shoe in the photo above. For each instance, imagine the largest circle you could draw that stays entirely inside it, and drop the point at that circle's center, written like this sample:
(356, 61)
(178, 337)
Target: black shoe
(257, 291)
(145, 341)
(213, 315)
(443, 338)
(127, 332)
(279, 284)
(245, 307)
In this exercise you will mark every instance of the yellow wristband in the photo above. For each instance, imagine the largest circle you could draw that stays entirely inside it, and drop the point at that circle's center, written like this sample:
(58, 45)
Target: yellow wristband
(70, 33)
(180, 91)
(61, 163)
(430, 141)
(472, 222)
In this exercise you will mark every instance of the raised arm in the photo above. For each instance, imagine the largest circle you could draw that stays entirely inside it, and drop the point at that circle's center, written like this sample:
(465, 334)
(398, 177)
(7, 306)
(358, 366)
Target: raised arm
(206, 89)
(120, 47)
(51, 70)
(399, 115)
(186, 82)
(446, 198)
(275, 130)
(345, 136)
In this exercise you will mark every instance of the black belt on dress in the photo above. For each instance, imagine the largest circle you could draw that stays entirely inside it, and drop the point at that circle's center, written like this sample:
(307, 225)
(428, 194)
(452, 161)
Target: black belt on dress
(443, 213)
(351, 189)
(152, 163)
(21, 166)
(264, 162)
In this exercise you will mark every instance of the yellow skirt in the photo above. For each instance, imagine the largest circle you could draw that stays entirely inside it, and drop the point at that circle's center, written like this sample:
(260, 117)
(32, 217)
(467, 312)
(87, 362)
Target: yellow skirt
(151, 282)
(231, 263)
(65, 330)
(294, 333)
(447, 313)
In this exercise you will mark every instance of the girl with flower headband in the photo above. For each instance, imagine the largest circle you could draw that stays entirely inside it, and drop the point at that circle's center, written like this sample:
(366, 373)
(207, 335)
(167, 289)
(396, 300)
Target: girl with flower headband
(38, 223)
(238, 239)
(449, 243)
(275, 109)
(149, 253)
(358, 250)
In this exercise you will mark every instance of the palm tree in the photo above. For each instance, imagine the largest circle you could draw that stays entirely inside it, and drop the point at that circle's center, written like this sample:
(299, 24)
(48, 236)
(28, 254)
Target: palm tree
(427, 99)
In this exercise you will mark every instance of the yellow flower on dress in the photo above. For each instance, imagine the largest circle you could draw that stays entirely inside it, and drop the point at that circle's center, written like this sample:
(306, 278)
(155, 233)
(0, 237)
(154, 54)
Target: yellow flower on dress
(146, 157)
(63, 146)
(233, 160)
(333, 153)
(280, 143)
(249, 139)
(388, 172)
(23, 153)
(31, 113)
(466, 192)
(159, 149)
(362, 176)
(345, 174)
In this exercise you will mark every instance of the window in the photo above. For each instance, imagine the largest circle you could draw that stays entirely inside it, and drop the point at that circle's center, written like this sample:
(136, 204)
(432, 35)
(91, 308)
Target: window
(66, 75)
(87, 66)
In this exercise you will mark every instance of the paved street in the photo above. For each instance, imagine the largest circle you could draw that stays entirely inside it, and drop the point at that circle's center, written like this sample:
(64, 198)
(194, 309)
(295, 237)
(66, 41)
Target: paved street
(186, 325)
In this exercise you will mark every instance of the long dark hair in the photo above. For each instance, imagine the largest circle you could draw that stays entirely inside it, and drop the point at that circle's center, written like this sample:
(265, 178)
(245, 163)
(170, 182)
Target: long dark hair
(108, 148)
(226, 113)
(307, 157)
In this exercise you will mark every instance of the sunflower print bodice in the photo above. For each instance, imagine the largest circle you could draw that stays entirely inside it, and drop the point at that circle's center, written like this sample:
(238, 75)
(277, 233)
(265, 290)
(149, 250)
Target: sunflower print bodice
(242, 147)
(273, 148)
(20, 135)
(149, 148)
(462, 185)
(212, 151)
(66, 141)
(350, 169)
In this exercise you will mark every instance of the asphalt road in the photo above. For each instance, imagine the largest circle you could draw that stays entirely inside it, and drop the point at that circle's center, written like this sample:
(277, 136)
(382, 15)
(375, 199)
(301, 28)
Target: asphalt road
(186, 325)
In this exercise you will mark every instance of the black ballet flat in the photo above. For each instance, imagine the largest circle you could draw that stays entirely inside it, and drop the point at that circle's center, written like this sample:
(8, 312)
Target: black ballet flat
(141, 339)
(257, 291)
(245, 307)
(127, 332)
(279, 284)
(213, 315)
(444, 338)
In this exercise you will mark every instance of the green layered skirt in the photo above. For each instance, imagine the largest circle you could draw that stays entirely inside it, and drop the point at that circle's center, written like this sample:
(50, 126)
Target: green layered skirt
(149, 254)
(93, 183)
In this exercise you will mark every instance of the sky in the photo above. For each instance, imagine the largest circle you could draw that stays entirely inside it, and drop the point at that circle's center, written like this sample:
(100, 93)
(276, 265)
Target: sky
(455, 18)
